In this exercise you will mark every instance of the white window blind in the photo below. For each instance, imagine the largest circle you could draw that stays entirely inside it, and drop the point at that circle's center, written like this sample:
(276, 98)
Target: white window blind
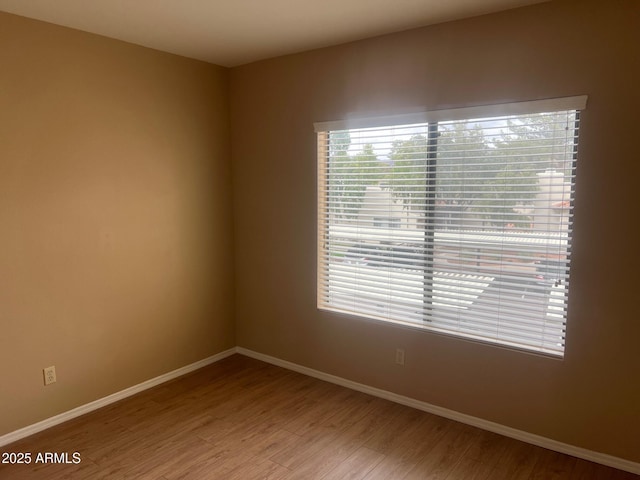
(456, 221)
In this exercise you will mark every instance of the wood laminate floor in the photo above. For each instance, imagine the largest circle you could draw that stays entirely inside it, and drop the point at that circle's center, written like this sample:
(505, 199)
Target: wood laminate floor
(241, 419)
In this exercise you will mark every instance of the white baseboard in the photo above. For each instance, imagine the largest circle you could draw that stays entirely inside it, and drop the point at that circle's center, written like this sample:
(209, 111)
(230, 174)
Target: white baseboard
(538, 440)
(102, 402)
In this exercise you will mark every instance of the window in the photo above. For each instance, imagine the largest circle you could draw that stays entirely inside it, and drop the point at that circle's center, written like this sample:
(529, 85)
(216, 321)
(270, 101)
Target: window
(456, 221)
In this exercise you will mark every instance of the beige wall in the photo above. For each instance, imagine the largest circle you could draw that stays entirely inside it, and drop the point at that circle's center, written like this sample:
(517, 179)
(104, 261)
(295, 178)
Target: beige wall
(590, 399)
(116, 231)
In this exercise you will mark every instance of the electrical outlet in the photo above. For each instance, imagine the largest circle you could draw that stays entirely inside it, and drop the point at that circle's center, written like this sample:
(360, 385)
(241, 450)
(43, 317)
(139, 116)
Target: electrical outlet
(400, 356)
(49, 375)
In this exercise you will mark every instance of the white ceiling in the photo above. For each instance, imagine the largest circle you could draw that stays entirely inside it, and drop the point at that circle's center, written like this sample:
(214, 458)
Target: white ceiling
(235, 32)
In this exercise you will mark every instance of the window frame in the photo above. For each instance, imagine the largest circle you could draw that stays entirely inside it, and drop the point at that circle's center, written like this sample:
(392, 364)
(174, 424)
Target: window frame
(432, 119)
